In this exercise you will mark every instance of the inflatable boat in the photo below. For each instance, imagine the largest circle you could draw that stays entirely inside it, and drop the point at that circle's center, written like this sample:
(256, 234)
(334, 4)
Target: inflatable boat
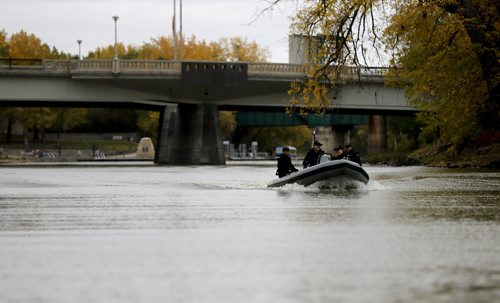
(330, 171)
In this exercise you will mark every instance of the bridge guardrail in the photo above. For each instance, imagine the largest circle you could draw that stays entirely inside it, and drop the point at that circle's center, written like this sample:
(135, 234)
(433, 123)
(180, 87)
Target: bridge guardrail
(108, 66)
(280, 68)
(150, 65)
(91, 65)
(50, 65)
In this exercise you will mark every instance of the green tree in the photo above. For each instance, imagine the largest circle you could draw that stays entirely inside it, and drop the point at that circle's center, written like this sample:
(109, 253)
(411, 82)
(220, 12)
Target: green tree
(66, 119)
(148, 122)
(227, 124)
(430, 58)
(110, 120)
(8, 114)
(36, 119)
(402, 133)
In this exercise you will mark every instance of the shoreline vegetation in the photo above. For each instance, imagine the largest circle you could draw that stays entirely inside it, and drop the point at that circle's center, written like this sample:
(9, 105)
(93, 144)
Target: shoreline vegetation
(439, 156)
(430, 155)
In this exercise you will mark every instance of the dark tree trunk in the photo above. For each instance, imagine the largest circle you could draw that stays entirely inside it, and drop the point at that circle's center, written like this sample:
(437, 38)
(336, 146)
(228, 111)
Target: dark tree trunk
(35, 134)
(8, 134)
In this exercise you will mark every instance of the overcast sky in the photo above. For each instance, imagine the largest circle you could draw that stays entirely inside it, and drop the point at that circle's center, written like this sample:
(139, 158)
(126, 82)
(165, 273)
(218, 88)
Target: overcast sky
(60, 23)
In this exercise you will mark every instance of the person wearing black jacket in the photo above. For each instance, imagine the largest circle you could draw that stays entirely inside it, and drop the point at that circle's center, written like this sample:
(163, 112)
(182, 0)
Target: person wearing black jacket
(285, 165)
(338, 153)
(350, 154)
(313, 155)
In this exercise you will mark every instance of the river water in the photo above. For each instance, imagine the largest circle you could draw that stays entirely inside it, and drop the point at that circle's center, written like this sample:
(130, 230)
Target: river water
(145, 233)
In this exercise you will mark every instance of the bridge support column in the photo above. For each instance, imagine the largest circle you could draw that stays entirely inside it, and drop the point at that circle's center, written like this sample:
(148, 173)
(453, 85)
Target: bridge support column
(190, 135)
(332, 137)
(377, 137)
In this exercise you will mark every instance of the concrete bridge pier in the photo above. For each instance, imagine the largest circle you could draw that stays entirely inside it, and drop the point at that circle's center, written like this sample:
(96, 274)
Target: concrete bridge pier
(189, 134)
(377, 136)
(333, 136)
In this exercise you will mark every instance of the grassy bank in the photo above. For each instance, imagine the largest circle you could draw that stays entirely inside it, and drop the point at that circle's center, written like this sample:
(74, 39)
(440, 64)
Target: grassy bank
(439, 156)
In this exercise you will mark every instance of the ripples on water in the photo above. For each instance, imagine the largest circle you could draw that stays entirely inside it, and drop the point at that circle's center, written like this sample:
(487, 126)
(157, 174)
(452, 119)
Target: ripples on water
(218, 234)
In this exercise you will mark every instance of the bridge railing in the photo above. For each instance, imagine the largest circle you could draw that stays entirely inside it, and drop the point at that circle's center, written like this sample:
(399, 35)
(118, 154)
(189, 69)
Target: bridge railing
(59, 66)
(159, 67)
(278, 68)
(349, 73)
(149, 66)
(109, 66)
(91, 65)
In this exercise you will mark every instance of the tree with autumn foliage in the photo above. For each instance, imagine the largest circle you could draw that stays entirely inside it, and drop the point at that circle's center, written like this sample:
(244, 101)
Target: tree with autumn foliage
(445, 53)
(447, 82)
(23, 45)
(4, 48)
(161, 48)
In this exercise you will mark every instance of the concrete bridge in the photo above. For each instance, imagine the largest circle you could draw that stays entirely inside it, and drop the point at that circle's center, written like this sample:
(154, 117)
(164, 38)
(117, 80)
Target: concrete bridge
(189, 95)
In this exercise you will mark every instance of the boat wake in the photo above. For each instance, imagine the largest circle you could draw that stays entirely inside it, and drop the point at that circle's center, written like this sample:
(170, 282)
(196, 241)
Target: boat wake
(347, 185)
(339, 185)
(232, 185)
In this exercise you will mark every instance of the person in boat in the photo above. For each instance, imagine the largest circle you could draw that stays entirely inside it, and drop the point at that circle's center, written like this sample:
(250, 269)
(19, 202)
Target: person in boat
(313, 155)
(285, 166)
(351, 155)
(338, 153)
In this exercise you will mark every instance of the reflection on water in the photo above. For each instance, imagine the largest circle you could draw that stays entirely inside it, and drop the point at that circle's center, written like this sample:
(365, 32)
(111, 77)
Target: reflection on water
(218, 234)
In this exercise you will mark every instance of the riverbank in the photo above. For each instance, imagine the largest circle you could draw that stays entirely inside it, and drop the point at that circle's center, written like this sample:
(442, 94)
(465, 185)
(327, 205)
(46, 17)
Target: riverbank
(432, 156)
(436, 156)
(72, 151)
(439, 156)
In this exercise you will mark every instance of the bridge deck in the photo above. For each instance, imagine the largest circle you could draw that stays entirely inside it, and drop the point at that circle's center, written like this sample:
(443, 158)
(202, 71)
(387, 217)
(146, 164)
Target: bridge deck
(229, 85)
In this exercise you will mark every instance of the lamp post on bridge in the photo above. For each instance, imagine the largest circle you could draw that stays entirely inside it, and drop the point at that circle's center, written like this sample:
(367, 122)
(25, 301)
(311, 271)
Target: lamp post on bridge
(238, 45)
(174, 30)
(180, 31)
(79, 41)
(116, 64)
(116, 39)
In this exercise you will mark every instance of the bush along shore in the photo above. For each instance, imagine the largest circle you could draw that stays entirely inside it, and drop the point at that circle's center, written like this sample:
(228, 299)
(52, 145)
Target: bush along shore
(440, 156)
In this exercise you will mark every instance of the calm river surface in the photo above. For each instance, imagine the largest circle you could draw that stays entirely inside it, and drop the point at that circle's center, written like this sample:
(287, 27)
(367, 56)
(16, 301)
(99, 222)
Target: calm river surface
(124, 233)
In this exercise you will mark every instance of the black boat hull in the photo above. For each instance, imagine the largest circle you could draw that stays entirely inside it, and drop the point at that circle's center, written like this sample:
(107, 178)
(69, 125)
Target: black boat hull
(331, 171)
